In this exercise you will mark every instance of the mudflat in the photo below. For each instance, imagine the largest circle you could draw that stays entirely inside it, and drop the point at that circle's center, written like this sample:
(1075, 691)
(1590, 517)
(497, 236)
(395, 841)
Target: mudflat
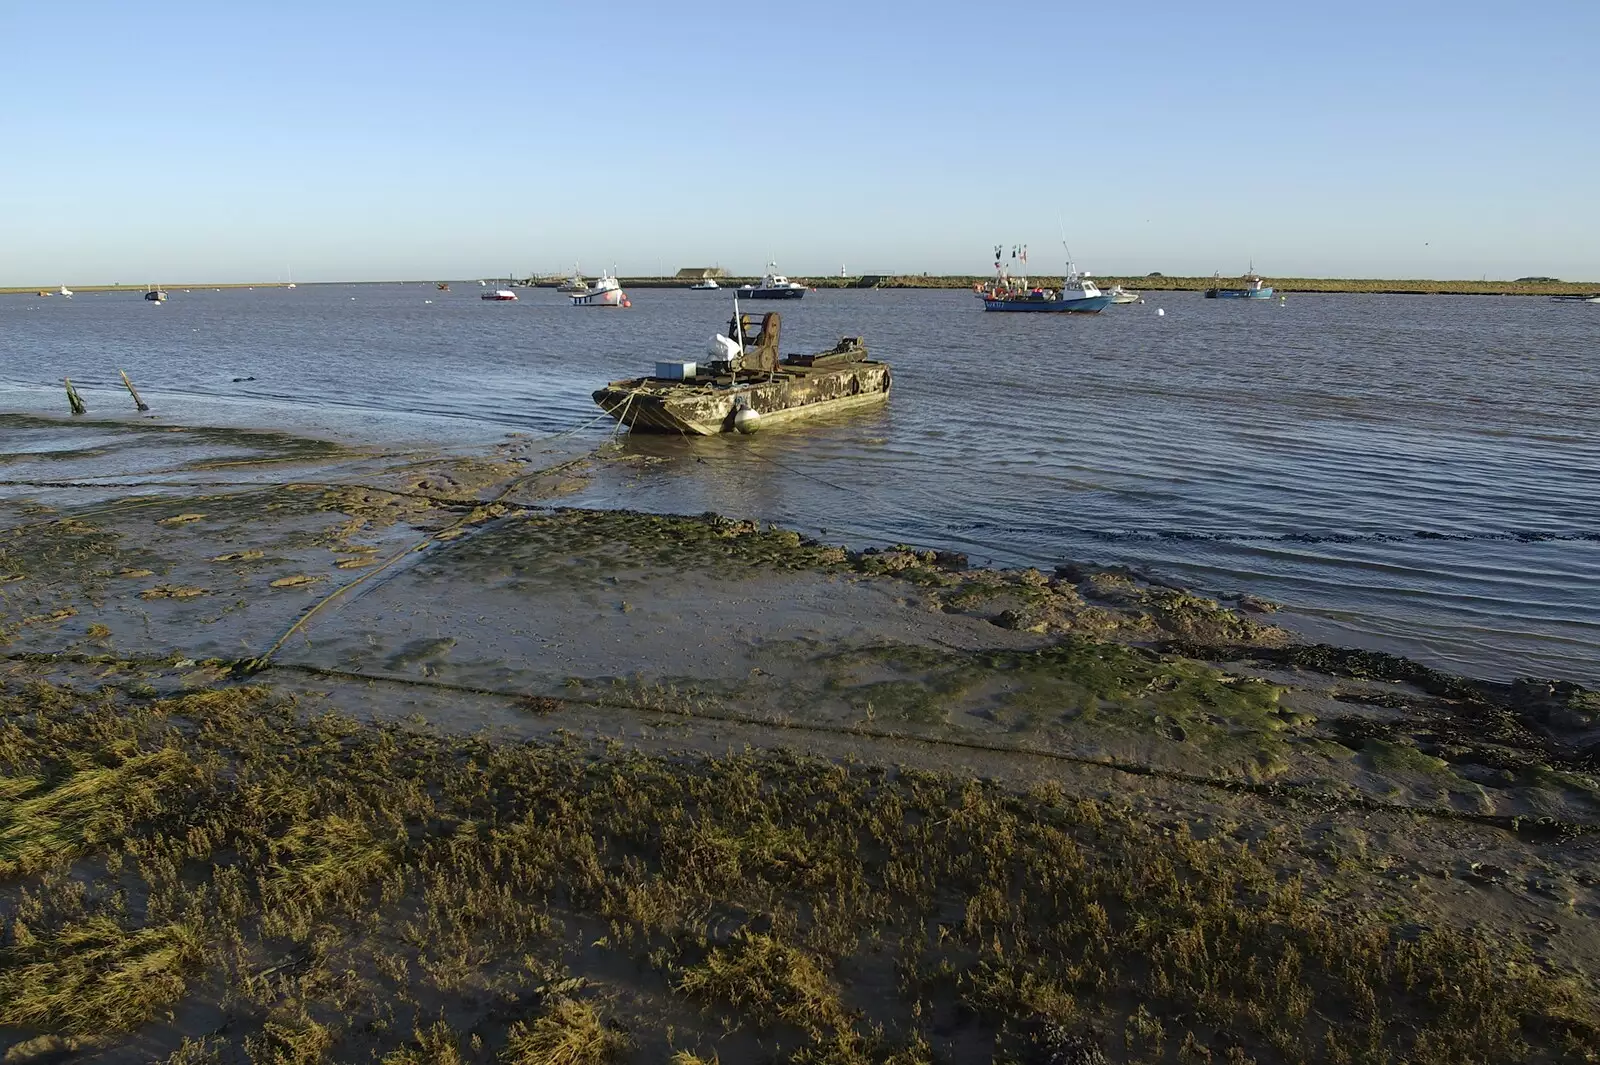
(309, 753)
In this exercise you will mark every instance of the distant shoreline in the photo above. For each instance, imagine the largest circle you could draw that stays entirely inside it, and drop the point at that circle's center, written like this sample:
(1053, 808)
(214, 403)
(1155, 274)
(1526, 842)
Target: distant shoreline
(1372, 286)
(24, 290)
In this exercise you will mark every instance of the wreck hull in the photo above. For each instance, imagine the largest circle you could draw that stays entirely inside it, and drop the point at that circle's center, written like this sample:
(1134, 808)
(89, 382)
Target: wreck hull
(647, 405)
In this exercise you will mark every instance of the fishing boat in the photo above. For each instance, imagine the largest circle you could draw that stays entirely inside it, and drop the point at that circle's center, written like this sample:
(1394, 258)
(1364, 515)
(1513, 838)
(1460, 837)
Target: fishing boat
(1576, 299)
(1119, 294)
(575, 283)
(499, 295)
(154, 294)
(1077, 295)
(1252, 289)
(773, 286)
(745, 385)
(708, 284)
(606, 292)
(1008, 292)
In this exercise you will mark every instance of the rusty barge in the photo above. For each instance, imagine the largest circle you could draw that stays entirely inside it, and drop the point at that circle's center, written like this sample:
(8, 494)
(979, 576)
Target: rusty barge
(746, 385)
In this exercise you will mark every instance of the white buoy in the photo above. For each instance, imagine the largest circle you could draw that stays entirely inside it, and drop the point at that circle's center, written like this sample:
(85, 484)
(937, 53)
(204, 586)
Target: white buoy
(746, 420)
(1160, 313)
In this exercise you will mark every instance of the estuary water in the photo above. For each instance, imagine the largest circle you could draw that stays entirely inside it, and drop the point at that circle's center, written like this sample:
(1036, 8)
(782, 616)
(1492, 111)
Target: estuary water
(1411, 473)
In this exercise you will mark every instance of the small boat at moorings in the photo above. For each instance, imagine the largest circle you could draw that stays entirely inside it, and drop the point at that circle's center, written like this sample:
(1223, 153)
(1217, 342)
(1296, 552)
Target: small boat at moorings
(65, 291)
(154, 294)
(1252, 289)
(575, 283)
(606, 292)
(1595, 298)
(499, 295)
(745, 385)
(708, 284)
(442, 286)
(773, 286)
(1119, 294)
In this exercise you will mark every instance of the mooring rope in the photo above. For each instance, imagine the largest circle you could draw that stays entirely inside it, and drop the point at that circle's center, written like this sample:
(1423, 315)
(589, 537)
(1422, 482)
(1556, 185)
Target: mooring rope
(1303, 794)
(264, 658)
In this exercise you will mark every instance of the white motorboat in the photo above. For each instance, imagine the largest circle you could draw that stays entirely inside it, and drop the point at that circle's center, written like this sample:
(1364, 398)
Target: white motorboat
(773, 286)
(606, 292)
(65, 291)
(1119, 294)
(499, 295)
(1576, 299)
(707, 285)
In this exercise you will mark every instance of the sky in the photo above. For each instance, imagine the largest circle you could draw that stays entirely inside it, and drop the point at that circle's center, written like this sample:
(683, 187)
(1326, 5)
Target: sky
(187, 142)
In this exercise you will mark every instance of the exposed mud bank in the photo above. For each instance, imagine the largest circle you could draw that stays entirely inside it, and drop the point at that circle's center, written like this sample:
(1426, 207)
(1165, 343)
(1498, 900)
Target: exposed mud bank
(394, 757)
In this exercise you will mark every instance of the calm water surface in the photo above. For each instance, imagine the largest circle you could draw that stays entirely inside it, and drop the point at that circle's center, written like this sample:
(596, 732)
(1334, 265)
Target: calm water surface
(1412, 473)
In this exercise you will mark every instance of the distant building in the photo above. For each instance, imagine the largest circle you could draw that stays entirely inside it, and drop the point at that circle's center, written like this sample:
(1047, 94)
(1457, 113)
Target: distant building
(700, 273)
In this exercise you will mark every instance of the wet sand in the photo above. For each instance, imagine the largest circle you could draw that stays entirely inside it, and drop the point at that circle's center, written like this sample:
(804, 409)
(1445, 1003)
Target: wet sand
(453, 596)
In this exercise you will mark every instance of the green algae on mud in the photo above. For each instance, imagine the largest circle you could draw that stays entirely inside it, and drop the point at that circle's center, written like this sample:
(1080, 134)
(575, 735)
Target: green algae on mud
(588, 538)
(347, 891)
(57, 550)
(1077, 681)
(1101, 602)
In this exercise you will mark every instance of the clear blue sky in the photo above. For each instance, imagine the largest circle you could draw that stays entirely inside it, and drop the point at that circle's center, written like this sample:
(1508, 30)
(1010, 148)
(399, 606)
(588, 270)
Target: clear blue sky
(187, 142)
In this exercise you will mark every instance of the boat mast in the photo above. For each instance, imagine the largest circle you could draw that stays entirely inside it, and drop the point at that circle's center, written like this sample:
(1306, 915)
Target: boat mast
(1072, 269)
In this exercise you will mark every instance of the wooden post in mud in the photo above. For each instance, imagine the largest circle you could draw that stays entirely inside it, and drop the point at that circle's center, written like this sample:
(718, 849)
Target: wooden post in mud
(74, 400)
(137, 402)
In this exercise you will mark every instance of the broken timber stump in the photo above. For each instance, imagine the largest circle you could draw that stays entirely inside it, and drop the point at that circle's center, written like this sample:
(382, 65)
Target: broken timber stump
(137, 402)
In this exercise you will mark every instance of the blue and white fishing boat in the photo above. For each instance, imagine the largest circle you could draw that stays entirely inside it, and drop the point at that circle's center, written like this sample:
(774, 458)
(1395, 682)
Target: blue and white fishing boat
(1077, 294)
(1252, 289)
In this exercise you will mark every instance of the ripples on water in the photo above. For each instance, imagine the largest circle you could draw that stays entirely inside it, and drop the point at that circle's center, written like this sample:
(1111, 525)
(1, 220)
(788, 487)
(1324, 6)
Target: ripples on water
(1406, 472)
